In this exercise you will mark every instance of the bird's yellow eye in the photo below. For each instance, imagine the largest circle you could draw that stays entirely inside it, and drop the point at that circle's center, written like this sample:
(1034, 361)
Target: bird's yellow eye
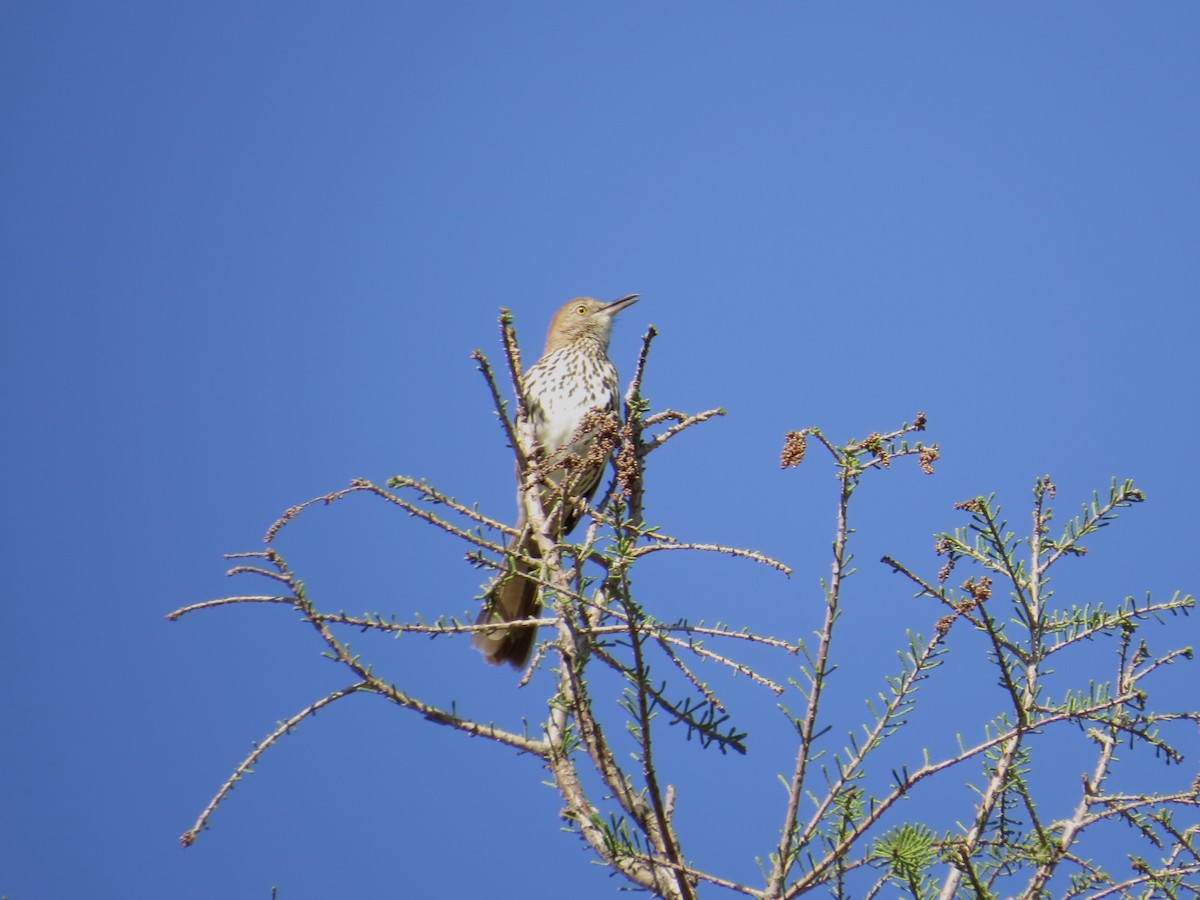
(581, 309)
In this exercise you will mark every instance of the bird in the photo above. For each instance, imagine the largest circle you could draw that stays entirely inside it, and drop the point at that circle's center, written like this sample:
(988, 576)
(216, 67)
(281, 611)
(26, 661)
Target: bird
(573, 377)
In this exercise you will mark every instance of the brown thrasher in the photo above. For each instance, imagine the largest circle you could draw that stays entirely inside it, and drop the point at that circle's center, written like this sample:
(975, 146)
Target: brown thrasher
(573, 378)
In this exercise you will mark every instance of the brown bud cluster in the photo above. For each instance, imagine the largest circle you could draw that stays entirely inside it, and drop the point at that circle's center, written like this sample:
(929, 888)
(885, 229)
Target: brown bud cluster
(979, 590)
(928, 456)
(974, 505)
(627, 463)
(942, 546)
(794, 445)
(874, 444)
(602, 426)
(943, 624)
(919, 421)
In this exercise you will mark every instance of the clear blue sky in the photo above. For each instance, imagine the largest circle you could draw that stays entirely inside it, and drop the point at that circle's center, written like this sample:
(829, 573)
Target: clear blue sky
(248, 248)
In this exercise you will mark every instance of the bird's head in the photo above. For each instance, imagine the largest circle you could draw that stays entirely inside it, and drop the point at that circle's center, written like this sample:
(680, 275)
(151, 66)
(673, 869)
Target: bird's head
(585, 317)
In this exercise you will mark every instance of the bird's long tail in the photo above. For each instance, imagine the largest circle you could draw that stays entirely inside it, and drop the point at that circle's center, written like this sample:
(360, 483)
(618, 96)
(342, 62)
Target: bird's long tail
(512, 597)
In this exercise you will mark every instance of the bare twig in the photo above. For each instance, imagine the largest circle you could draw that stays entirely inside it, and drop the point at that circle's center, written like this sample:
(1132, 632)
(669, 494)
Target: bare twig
(285, 727)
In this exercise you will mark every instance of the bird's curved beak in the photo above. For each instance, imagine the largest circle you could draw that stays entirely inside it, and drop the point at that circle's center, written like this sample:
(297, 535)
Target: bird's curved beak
(617, 305)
